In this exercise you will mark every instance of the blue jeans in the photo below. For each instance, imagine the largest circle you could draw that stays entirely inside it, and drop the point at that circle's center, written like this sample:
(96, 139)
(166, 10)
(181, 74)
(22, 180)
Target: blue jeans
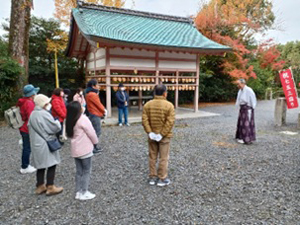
(26, 150)
(124, 111)
(96, 122)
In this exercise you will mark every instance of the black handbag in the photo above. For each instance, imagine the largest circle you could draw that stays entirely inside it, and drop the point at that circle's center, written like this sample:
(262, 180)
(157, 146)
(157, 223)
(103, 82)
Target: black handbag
(53, 145)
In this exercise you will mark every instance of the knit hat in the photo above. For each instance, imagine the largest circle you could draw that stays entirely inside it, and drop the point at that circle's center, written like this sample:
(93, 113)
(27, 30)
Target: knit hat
(121, 85)
(41, 100)
(30, 90)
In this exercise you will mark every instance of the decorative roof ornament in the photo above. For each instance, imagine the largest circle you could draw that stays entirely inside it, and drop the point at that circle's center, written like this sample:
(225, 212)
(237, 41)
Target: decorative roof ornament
(79, 3)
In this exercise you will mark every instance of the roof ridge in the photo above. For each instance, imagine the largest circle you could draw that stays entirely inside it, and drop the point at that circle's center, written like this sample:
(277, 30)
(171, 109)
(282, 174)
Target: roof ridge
(82, 4)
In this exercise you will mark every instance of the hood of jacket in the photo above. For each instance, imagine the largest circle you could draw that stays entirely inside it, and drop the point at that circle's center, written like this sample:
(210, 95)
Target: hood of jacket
(22, 101)
(90, 89)
(56, 97)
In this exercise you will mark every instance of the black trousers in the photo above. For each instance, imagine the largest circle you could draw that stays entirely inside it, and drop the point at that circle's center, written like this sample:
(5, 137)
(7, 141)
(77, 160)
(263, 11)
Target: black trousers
(40, 176)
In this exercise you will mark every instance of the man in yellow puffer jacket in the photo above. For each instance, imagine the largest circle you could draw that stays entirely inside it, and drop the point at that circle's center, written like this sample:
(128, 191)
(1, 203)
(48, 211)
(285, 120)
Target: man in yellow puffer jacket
(158, 120)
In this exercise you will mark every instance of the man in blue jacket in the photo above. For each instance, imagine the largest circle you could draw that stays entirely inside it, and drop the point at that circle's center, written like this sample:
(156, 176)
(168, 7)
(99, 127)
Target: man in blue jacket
(122, 103)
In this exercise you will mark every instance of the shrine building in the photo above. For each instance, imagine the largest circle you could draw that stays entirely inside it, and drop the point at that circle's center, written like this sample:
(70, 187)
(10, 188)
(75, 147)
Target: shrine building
(138, 49)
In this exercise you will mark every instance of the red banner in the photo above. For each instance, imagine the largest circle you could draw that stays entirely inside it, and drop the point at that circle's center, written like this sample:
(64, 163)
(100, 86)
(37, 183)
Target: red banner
(289, 88)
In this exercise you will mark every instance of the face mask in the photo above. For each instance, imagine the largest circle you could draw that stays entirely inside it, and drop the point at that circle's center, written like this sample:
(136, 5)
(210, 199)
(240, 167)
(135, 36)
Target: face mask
(62, 94)
(122, 89)
(48, 107)
(81, 93)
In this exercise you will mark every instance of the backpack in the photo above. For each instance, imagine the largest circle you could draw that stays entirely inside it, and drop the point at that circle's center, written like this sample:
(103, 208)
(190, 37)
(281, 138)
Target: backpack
(13, 117)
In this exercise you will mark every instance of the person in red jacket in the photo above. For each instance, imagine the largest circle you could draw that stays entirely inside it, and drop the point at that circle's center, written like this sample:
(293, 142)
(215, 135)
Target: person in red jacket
(95, 108)
(26, 106)
(59, 110)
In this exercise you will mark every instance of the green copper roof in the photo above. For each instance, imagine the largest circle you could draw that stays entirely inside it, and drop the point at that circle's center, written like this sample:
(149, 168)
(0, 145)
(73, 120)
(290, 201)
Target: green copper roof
(142, 28)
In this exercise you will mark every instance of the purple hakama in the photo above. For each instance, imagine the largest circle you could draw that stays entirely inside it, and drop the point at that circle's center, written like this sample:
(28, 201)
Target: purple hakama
(246, 126)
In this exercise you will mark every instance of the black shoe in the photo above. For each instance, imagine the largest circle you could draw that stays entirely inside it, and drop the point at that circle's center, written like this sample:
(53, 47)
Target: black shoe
(97, 150)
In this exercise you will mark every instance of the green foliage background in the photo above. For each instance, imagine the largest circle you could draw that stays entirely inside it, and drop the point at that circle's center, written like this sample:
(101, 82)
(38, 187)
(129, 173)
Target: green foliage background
(41, 62)
(9, 77)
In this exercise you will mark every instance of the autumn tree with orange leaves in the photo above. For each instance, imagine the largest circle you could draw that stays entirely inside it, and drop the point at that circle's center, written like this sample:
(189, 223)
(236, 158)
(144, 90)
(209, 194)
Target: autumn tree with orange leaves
(234, 23)
(268, 56)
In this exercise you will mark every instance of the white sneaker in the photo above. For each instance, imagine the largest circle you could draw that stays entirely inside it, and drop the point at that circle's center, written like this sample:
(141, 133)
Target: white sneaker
(78, 195)
(127, 124)
(162, 183)
(87, 196)
(120, 125)
(29, 169)
(240, 141)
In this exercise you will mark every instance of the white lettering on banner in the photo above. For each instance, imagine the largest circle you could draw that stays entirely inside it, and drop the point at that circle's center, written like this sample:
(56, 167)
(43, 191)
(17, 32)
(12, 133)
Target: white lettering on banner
(285, 75)
(289, 88)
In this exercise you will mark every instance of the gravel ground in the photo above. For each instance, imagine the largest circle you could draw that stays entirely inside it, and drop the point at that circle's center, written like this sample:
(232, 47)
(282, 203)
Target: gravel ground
(214, 180)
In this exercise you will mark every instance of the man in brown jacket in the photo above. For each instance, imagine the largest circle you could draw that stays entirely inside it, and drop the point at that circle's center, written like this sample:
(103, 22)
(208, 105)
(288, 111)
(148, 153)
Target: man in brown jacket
(158, 120)
(95, 108)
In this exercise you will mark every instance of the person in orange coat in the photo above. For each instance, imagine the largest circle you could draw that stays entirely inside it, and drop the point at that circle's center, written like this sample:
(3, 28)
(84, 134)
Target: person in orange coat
(95, 108)
(59, 110)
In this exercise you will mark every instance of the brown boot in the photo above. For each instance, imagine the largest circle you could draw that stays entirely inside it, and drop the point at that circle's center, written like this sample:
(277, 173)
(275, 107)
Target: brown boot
(40, 189)
(53, 190)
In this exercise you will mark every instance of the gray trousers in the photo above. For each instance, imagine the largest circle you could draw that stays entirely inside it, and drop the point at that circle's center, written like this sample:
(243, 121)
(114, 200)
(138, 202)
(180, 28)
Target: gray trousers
(96, 122)
(83, 174)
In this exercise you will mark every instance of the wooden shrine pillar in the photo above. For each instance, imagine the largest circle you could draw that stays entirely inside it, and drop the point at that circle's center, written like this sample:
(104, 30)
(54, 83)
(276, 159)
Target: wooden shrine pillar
(156, 69)
(140, 101)
(176, 90)
(86, 70)
(94, 51)
(108, 82)
(196, 95)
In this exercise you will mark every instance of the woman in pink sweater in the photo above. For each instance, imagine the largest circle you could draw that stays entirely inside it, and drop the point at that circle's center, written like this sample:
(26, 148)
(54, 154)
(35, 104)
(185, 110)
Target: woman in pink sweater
(83, 137)
(79, 97)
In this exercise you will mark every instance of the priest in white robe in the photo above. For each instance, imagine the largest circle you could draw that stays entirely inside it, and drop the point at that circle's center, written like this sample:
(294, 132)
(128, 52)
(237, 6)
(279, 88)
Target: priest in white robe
(246, 100)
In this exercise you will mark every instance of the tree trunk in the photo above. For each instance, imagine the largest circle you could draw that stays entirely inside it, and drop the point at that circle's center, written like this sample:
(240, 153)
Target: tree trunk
(19, 35)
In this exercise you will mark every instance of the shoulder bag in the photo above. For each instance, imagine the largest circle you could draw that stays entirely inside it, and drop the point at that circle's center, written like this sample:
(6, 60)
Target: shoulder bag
(53, 145)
